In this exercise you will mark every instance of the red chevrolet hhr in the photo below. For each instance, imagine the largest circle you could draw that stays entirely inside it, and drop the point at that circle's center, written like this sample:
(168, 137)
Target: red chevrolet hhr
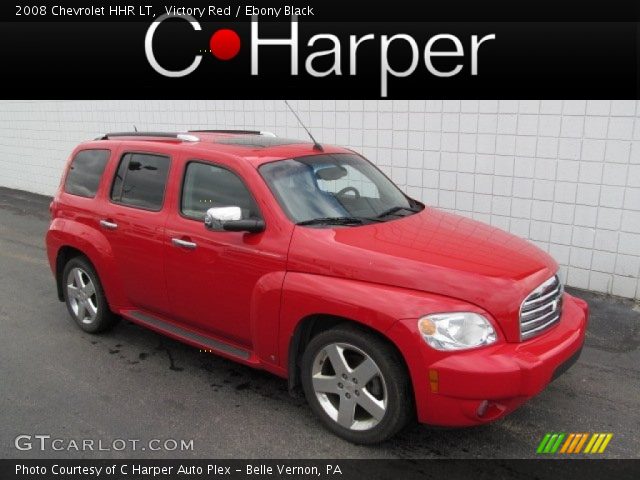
(307, 261)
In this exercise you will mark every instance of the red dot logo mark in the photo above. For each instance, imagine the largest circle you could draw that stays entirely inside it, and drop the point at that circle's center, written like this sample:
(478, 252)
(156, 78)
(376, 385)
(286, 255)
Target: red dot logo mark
(224, 44)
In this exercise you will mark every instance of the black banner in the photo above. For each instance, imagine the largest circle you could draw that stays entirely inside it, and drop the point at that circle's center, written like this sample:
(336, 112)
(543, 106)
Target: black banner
(330, 11)
(318, 469)
(320, 50)
(182, 58)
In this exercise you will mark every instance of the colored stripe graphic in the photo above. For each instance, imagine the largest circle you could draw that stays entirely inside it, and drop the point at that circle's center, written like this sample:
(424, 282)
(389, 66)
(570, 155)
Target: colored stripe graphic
(606, 441)
(583, 438)
(567, 442)
(572, 443)
(596, 445)
(543, 443)
(550, 443)
(558, 442)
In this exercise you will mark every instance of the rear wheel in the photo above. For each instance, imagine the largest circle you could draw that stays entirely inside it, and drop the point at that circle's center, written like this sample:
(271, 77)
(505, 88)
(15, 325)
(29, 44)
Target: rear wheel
(357, 384)
(85, 298)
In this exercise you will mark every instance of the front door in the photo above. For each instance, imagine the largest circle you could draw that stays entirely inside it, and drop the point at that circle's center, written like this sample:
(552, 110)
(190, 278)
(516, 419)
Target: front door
(213, 277)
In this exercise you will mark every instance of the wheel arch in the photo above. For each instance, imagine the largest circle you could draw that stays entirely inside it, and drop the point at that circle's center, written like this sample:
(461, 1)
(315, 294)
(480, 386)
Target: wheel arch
(68, 251)
(311, 325)
(70, 238)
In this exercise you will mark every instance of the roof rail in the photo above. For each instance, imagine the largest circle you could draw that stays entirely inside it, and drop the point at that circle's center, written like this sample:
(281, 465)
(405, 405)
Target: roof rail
(236, 132)
(180, 136)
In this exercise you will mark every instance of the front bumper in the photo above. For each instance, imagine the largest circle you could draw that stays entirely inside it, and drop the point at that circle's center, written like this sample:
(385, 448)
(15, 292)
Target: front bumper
(477, 386)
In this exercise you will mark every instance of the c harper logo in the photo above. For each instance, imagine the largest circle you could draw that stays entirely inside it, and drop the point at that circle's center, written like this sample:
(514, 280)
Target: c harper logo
(574, 443)
(442, 55)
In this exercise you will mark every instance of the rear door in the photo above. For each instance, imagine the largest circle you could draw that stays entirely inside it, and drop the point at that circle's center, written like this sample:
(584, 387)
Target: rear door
(133, 220)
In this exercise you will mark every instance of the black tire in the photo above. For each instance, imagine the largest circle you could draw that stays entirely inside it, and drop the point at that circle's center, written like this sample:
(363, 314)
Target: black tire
(399, 401)
(103, 319)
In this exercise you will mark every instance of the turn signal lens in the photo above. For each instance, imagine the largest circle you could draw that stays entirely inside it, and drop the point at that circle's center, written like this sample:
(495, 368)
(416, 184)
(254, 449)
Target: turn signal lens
(426, 326)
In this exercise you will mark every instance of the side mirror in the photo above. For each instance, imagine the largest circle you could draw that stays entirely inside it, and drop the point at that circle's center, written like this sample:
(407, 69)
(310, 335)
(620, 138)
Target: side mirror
(230, 219)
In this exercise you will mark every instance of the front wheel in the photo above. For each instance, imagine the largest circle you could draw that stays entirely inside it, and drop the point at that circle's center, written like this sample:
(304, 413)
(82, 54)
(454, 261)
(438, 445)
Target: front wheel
(357, 384)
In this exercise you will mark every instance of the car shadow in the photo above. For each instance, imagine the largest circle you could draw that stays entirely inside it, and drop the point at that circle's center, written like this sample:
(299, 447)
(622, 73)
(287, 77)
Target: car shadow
(137, 347)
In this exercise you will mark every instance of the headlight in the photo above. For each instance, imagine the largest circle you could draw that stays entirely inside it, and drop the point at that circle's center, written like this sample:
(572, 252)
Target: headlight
(456, 330)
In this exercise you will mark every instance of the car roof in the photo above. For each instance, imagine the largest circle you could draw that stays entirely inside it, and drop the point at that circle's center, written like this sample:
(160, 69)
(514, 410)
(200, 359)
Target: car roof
(252, 146)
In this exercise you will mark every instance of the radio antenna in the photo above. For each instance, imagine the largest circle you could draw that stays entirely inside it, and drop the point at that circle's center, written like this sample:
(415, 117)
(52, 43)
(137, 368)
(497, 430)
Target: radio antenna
(316, 145)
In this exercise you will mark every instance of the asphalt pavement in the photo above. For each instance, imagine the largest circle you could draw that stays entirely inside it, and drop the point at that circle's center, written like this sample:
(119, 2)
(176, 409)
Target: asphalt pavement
(133, 385)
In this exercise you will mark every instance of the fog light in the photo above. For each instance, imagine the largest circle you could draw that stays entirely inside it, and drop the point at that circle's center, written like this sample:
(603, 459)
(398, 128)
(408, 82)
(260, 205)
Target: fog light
(482, 408)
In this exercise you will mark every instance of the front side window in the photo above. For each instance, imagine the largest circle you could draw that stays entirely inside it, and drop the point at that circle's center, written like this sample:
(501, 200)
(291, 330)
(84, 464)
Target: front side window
(85, 172)
(339, 188)
(140, 180)
(207, 186)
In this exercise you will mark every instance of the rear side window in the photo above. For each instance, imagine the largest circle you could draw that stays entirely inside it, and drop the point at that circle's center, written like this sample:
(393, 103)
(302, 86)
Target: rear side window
(206, 186)
(140, 180)
(85, 172)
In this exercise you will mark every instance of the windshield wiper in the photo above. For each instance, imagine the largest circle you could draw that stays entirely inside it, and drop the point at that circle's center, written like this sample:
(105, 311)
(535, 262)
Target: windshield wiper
(396, 209)
(355, 220)
(332, 221)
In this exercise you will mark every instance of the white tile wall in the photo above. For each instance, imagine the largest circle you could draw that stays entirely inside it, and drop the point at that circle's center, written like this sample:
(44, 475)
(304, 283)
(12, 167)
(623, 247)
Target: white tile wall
(564, 174)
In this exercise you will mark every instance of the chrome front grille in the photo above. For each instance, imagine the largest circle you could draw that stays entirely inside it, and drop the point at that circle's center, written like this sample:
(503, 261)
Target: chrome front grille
(541, 309)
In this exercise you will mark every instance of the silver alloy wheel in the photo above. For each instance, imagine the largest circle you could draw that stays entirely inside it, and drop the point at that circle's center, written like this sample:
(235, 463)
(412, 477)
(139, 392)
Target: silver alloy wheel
(349, 386)
(81, 293)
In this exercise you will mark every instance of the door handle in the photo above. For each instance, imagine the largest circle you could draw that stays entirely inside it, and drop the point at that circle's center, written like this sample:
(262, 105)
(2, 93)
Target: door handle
(178, 242)
(107, 225)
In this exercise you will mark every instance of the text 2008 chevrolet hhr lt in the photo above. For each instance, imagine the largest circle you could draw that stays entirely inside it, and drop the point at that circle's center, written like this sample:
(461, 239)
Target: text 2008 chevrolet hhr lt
(308, 262)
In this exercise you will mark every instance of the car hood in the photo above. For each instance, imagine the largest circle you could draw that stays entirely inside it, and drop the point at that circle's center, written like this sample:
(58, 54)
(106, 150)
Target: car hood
(431, 251)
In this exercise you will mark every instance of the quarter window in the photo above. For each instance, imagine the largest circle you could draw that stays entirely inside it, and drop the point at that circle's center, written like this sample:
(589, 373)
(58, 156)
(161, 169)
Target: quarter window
(140, 180)
(206, 186)
(85, 172)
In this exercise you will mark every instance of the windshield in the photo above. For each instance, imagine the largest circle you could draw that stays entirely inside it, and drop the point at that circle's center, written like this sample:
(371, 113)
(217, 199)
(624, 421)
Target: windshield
(335, 189)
